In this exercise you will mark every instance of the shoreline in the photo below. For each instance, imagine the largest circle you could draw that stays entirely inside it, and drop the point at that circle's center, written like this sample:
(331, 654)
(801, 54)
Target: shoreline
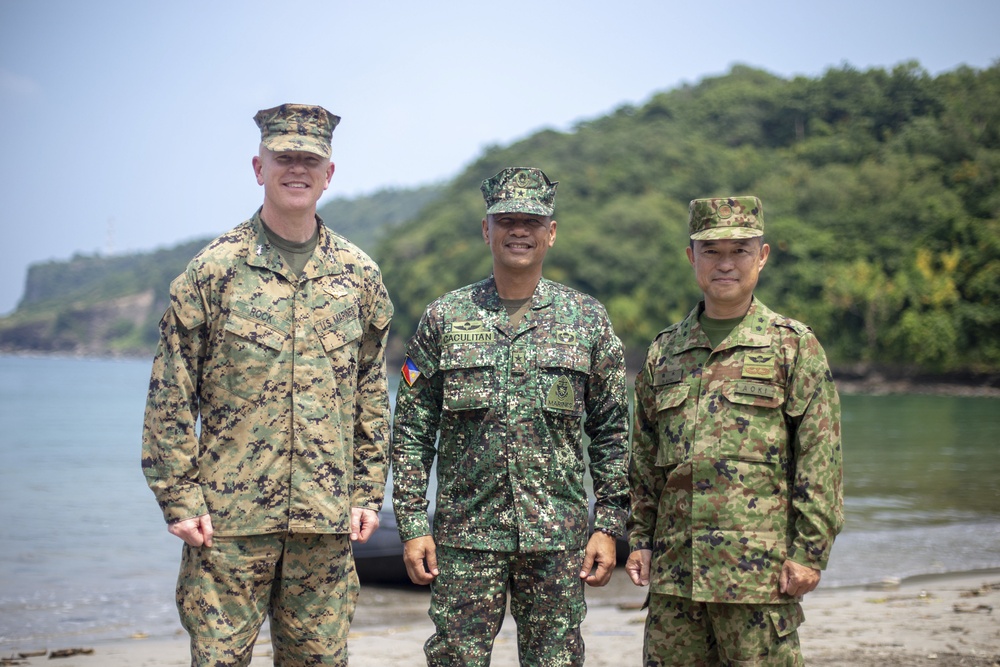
(849, 380)
(880, 386)
(931, 619)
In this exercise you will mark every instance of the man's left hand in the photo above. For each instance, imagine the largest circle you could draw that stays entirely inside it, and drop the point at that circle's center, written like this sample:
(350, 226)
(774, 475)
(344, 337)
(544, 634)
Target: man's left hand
(364, 523)
(797, 580)
(599, 560)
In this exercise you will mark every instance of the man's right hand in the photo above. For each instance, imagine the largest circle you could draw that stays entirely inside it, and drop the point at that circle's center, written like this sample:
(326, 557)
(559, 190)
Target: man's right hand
(196, 532)
(420, 558)
(637, 566)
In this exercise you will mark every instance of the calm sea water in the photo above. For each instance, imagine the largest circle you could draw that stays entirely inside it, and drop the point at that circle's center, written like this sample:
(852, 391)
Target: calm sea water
(85, 557)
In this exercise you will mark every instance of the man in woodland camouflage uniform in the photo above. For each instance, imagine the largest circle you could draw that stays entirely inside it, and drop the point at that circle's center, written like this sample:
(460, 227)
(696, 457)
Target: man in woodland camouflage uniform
(506, 369)
(275, 340)
(736, 469)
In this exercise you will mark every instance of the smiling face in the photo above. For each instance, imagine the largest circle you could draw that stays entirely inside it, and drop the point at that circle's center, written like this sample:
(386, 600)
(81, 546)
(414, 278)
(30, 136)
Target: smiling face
(293, 181)
(518, 241)
(727, 271)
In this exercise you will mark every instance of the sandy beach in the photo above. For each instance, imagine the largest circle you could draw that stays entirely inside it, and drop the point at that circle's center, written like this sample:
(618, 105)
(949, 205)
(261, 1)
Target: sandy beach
(939, 620)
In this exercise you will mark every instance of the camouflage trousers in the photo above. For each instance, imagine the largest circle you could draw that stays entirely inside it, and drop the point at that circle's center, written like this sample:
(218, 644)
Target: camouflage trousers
(684, 633)
(305, 583)
(469, 600)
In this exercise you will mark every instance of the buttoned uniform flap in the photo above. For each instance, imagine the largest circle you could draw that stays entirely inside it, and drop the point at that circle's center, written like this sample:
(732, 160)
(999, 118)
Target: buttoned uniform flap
(254, 330)
(468, 377)
(454, 357)
(569, 357)
(186, 302)
(339, 329)
(751, 561)
(382, 314)
(421, 359)
(671, 422)
(562, 379)
(786, 618)
(671, 395)
(753, 393)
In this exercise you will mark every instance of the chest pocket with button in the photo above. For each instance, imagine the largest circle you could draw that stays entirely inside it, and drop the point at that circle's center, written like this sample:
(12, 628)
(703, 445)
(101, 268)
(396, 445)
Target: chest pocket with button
(469, 373)
(250, 353)
(672, 408)
(562, 379)
(753, 409)
(340, 335)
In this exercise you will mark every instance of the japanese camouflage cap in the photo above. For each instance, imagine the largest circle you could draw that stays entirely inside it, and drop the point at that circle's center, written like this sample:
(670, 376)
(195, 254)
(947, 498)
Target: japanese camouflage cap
(296, 127)
(520, 190)
(726, 218)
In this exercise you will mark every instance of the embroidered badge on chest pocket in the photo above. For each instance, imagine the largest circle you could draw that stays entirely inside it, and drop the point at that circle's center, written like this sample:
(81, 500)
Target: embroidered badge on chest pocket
(561, 395)
(760, 366)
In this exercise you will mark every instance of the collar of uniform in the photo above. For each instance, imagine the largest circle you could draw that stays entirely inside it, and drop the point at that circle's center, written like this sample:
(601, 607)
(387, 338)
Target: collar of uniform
(752, 331)
(755, 329)
(325, 260)
(689, 331)
(261, 253)
(485, 294)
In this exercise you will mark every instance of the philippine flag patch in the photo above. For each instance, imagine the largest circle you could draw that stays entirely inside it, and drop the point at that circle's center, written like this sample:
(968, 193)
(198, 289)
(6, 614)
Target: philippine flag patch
(410, 371)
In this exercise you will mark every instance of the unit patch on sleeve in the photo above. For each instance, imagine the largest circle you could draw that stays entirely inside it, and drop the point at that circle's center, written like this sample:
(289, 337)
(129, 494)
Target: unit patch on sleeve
(410, 371)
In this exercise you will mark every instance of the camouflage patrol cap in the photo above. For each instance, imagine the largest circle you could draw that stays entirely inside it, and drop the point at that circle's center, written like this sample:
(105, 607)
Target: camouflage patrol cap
(726, 218)
(296, 127)
(520, 190)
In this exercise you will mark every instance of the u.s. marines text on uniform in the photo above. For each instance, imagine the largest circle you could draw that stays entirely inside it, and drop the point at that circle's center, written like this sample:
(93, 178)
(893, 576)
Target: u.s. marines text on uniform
(736, 469)
(266, 427)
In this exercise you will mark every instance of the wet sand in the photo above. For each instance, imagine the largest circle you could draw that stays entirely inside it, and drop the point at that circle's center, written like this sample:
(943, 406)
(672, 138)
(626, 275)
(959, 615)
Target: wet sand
(940, 620)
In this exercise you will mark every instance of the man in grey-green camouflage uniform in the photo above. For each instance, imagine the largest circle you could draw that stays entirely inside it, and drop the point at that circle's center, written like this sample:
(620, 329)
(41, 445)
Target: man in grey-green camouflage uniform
(736, 470)
(274, 340)
(507, 370)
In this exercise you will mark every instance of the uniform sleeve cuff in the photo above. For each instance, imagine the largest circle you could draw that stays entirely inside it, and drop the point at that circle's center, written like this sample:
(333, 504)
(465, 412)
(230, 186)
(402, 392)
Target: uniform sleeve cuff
(368, 495)
(610, 520)
(178, 506)
(412, 528)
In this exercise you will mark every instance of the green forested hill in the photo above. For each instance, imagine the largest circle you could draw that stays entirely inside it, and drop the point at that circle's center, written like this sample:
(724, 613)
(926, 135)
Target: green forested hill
(881, 193)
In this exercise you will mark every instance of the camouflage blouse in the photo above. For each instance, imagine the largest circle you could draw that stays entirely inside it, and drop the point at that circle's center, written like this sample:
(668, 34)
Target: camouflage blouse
(509, 404)
(287, 377)
(736, 458)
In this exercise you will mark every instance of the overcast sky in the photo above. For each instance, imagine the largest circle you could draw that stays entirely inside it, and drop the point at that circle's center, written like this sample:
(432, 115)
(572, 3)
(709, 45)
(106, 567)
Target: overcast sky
(129, 125)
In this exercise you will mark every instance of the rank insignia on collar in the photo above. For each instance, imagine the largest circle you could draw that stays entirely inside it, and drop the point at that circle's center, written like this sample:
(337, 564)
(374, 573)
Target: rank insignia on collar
(260, 250)
(410, 372)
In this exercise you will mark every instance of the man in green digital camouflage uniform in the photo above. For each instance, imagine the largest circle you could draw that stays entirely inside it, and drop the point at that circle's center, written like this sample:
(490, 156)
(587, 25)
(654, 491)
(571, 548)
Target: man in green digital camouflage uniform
(274, 340)
(506, 370)
(736, 469)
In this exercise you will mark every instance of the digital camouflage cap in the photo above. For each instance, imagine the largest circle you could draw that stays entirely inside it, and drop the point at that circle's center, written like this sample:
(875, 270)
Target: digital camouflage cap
(726, 218)
(520, 190)
(296, 127)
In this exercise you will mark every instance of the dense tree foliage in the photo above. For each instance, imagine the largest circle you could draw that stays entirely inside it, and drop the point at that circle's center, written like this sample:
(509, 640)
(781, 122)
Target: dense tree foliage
(880, 192)
(365, 220)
